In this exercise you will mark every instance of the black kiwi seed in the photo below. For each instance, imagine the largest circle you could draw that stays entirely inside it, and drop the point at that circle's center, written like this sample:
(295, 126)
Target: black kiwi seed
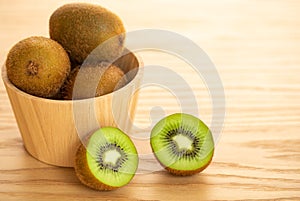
(120, 161)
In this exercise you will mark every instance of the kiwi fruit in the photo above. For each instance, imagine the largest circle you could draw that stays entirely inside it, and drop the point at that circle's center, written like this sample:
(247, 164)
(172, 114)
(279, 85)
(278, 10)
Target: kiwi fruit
(81, 27)
(112, 78)
(38, 65)
(81, 86)
(66, 91)
(182, 143)
(109, 160)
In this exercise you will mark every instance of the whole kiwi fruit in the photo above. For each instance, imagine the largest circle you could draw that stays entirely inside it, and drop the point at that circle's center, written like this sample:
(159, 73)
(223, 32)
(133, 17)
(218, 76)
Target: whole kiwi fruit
(66, 91)
(38, 65)
(182, 143)
(109, 160)
(82, 27)
(92, 81)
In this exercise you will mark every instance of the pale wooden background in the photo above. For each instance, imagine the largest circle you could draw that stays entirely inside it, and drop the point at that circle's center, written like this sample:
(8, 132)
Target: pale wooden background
(255, 46)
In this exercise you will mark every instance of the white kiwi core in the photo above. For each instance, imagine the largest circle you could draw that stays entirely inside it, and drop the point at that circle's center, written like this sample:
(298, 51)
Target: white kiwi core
(111, 156)
(183, 142)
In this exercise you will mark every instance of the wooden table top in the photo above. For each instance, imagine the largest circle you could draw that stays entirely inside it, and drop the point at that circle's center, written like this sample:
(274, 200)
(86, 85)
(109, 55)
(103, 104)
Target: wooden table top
(255, 47)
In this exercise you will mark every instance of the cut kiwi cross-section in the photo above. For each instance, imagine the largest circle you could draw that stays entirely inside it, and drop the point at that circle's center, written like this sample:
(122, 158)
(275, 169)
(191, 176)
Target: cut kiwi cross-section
(182, 143)
(109, 161)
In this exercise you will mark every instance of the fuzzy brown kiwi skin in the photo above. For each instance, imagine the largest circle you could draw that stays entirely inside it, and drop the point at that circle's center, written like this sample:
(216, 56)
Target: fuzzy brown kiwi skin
(112, 80)
(66, 91)
(38, 66)
(185, 172)
(108, 83)
(81, 27)
(84, 174)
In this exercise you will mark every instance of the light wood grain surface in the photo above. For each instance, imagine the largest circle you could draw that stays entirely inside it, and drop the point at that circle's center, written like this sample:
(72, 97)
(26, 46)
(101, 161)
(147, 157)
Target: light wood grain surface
(255, 46)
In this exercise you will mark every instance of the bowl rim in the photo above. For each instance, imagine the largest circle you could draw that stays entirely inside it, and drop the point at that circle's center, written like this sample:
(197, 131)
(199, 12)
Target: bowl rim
(8, 83)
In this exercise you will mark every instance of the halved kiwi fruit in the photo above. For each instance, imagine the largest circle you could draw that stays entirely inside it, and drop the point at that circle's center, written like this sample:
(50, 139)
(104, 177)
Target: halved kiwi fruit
(182, 143)
(109, 160)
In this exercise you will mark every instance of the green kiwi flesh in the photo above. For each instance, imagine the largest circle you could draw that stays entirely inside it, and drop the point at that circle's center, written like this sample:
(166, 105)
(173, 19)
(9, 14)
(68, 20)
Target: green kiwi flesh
(81, 27)
(182, 143)
(109, 161)
(38, 65)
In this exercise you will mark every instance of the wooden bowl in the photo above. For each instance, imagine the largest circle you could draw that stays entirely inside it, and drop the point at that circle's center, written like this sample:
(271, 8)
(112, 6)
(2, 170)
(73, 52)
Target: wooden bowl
(52, 129)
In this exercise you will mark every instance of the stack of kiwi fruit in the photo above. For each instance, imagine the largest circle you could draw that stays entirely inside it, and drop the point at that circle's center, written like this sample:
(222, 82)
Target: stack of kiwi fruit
(48, 67)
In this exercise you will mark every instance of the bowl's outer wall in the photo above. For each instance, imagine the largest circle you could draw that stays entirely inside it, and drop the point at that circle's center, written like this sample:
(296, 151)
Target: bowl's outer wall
(51, 130)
